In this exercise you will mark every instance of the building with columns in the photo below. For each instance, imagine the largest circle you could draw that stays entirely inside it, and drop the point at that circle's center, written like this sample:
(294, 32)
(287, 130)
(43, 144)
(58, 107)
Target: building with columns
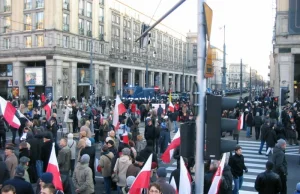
(64, 46)
(234, 75)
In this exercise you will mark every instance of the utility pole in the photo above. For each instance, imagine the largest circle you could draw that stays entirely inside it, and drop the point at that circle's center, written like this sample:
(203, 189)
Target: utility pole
(91, 71)
(250, 85)
(224, 66)
(241, 80)
(200, 122)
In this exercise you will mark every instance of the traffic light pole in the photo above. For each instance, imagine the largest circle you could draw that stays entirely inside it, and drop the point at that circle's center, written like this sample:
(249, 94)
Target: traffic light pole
(241, 80)
(200, 122)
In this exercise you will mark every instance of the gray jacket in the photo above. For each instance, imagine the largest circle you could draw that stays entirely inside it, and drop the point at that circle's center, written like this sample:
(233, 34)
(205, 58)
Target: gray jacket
(64, 159)
(72, 144)
(280, 164)
(83, 179)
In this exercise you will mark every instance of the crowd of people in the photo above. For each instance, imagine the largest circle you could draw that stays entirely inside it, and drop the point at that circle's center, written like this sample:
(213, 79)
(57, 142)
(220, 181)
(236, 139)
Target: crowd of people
(88, 129)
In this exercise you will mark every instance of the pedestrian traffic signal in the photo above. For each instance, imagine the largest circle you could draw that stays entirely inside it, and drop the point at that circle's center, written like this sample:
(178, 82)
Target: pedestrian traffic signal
(215, 126)
(284, 96)
(145, 40)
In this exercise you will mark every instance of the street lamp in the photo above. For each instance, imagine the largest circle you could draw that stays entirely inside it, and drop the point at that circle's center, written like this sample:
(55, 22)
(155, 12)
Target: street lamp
(224, 65)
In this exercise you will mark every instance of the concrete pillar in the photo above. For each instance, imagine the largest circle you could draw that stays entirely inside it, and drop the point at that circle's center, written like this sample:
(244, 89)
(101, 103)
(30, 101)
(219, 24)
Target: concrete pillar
(58, 79)
(131, 76)
(106, 81)
(119, 80)
(173, 83)
(188, 85)
(18, 78)
(96, 78)
(183, 83)
(166, 84)
(178, 83)
(160, 84)
(151, 79)
(73, 80)
(142, 78)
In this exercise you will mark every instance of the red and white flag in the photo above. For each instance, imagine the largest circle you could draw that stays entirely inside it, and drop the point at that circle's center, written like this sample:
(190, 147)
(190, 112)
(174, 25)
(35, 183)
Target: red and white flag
(240, 124)
(142, 180)
(185, 179)
(173, 184)
(214, 188)
(167, 155)
(119, 110)
(125, 138)
(53, 168)
(171, 107)
(47, 108)
(9, 113)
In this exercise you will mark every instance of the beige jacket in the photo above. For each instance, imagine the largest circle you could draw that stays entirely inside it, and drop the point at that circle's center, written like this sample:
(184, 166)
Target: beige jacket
(105, 164)
(11, 163)
(121, 167)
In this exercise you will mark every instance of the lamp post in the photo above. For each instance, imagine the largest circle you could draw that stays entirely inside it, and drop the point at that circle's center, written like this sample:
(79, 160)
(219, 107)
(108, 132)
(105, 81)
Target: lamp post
(224, 66)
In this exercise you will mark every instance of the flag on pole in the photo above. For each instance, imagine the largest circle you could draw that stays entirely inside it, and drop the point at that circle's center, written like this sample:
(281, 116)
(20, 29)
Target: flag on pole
(173, 184)
(171, 107)
(167, 155)
(9, 113)
(119, 110)
(142, 180)
(240, 122)
(47, 108)
(185, 179)
(214, 188)
(53, 168)
(170, 95)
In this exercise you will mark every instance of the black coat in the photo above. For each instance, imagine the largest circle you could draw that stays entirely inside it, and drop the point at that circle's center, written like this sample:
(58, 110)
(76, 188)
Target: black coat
(271, 138)
(4, 175)
(280, 163)
(45, 154)
(237, 164)
(263, 131)
(249, 120)
(146, 152)
(176, 175)
(35, 149)
(150, 132)
(91, 151)
(208, 180)
(22, 187)
(226, 184)
(258, 121)
(268, 182)
(24, 152)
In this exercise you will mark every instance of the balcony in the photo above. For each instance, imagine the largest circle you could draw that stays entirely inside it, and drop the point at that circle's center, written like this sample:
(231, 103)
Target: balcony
(101, 19)
(89, 33)
(27, 6)
(81, 12)
(66, 6)
(89, 14)
(39, 4)
(81, 31)
(66, 27)
(39, 26)
(7, 8)
(101, 37)
(27, 27)
(6, 29)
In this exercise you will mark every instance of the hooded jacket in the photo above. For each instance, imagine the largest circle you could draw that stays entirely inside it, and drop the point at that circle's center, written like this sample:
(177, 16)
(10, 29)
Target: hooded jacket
(83, 179)
(279, 160)
(121, 167)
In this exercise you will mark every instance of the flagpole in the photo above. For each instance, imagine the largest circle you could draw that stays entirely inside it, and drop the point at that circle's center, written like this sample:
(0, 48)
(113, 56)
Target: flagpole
(200, 122)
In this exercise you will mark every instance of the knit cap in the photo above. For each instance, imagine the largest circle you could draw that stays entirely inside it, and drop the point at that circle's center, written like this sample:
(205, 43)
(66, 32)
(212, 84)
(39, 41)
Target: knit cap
(126, 151)
(47, 177)
(85, 158)
(130, 180)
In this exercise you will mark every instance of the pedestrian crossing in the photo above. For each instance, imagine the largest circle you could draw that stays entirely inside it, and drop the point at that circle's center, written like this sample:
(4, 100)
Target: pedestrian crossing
(253, 161)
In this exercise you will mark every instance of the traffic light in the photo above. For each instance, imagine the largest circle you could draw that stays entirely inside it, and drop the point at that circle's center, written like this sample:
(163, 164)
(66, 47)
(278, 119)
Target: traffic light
(145, 40)
(284, 96)
(215, 125)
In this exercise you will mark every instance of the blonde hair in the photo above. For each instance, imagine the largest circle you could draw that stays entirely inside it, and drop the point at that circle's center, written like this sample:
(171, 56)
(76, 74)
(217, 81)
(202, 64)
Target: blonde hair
(139, 137)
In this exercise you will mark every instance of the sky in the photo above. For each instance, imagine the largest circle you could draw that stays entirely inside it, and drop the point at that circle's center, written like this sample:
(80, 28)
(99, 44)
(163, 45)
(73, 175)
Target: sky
(249, 26)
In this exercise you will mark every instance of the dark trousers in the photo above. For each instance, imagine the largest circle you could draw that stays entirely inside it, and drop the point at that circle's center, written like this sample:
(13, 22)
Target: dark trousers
(283, 184)
(14, 135)
(2, 139)
(72, 166)
(97, 133)
(107, 184)
(236, 137)
(54, 110)
(257, 132)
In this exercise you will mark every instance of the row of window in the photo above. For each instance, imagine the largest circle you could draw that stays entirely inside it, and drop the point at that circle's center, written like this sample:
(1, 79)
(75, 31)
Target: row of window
(28, 4)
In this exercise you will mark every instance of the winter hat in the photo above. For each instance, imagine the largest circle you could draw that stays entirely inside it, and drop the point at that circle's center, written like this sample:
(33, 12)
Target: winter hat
(126, 151)
(85, 158)
(130, 180)
(280, 142)
(111, 142)
(104, 148)
(163, 125)
(298, 188)
(20, 171)
(24, 159)
(161, 172)
(108, 138)
(88, 143)
(47, 177)
(70, 136)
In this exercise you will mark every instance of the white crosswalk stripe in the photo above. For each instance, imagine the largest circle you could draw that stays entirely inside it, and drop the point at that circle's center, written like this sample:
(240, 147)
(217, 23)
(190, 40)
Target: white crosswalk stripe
(256, 163)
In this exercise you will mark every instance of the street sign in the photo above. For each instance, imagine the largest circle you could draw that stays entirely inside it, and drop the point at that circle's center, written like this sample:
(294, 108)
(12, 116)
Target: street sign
(209, 71)
(208, 18)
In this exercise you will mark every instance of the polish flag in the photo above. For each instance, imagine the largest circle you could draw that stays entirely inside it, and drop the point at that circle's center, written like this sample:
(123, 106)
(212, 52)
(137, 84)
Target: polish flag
(47, 108)
(53, 168)
(9, 113)
(142, 180)
(119, 110)
(240, 124)
(173, 184)
(167, 155)
(171, 107)
(214, 188)
(185, 179)
(125, 138)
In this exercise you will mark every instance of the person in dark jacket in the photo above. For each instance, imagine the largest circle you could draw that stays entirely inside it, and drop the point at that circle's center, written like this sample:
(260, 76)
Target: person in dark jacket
(291, 130)
(280, 163)
(268, 182)
(46, 149)
(160, 111)
(2, 133)
(257, 124)
(148, 150)
(249, 123)
(161, 175)
(4, 175)
(21, 186)
(164, 138)
(150, 131)
(237, 164)
(264, 128)
(53, 129)
(226, 184)
(91, 151)
(208, 177)
(280, 132)
(135, 168)
(23, 150)
(270, 140)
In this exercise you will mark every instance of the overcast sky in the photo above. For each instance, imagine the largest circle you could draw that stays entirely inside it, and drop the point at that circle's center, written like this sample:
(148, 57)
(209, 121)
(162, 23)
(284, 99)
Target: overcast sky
(249, 26)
